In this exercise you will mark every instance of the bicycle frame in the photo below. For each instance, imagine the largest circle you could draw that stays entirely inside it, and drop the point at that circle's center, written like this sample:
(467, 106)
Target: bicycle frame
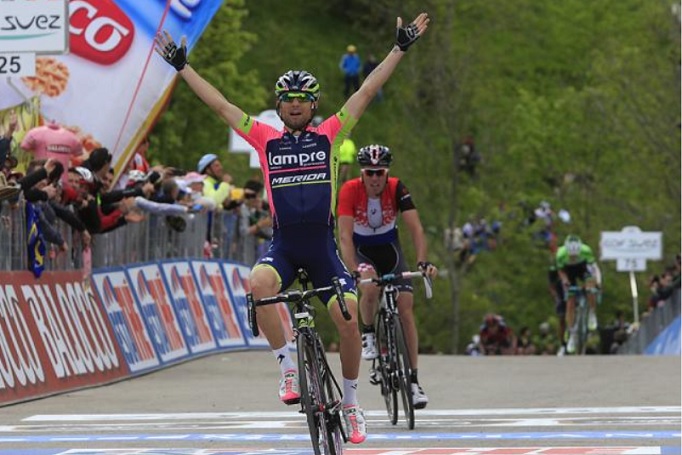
(321, 395)
(580, 323)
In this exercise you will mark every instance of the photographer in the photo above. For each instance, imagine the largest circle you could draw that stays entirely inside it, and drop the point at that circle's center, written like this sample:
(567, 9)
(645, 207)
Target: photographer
(7, 162)
(255, 224)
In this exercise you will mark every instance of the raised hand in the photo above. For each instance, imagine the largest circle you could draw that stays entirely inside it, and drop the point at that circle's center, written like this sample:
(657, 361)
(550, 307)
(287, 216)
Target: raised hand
(171, 53)
(406, 36)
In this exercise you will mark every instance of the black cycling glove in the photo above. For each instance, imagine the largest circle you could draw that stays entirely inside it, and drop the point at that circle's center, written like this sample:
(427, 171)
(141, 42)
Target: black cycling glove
(175, 56)
(356, 275)
(424, 265)
(406, 36)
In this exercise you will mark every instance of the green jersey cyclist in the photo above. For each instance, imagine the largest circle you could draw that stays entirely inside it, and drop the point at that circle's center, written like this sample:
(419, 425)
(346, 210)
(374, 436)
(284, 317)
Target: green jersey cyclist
(300, 169)
(575, 262)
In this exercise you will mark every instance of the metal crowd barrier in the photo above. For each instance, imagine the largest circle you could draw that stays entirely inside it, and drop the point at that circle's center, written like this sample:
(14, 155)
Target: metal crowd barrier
(149, 240)
(654, 323)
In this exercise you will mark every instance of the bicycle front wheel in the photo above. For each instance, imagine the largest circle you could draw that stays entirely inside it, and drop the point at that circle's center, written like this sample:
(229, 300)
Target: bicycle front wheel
(313, 399)
(581, 347)
(387, 368)
(404, 372)
(332, 411)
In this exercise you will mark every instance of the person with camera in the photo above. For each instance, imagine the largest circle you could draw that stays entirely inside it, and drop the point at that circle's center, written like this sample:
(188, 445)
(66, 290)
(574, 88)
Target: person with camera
(7, 161)
(255, 224)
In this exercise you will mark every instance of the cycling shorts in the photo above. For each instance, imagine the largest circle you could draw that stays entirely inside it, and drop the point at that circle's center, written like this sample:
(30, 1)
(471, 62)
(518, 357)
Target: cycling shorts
(385, 258)
(577, 272)
(313, 248)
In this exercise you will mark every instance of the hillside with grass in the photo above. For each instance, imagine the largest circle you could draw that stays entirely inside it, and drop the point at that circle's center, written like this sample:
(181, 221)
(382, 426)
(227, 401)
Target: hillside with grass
(574, 103)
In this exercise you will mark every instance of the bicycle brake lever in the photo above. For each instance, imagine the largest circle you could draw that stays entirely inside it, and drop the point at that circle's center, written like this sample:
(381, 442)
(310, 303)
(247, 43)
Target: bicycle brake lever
(428, 286)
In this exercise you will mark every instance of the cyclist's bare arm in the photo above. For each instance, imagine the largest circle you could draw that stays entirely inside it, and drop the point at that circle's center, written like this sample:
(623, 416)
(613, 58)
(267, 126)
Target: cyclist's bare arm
(227, 111)
(346, 242)
(359, 101)
(563, 277)
(175, 54)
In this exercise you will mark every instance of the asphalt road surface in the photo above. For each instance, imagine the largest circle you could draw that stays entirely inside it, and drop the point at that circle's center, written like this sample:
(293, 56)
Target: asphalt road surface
(227, 404)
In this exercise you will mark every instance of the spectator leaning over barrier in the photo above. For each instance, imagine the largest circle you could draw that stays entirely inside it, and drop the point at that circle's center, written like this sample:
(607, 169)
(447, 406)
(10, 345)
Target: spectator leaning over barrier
(302, 200)
(192, 184)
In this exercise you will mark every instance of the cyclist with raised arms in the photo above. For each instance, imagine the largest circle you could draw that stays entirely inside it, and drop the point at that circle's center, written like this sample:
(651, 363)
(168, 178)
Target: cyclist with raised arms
(300, 168)
(575, 262)
(370, 245)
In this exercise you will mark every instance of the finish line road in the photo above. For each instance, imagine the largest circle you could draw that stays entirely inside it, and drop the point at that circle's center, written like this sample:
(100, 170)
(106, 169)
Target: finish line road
(227, 404)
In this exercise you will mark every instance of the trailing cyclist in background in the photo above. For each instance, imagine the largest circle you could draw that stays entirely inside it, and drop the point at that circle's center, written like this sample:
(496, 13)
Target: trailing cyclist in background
(575, 263)
(300, 168)
(370, 246)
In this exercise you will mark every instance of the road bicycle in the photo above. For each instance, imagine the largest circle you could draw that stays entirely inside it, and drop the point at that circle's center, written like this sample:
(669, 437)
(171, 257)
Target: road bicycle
(582, 311)
(321, 396)
(392, 369)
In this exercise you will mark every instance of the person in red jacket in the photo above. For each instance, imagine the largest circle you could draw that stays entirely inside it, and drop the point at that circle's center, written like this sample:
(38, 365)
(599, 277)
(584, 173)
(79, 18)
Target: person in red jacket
(367, 216)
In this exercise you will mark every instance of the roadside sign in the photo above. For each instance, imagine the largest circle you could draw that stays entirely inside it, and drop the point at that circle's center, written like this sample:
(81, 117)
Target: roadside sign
(40, 26)
(631, 243)
(630, 265)
(23, 64)
(631, 248)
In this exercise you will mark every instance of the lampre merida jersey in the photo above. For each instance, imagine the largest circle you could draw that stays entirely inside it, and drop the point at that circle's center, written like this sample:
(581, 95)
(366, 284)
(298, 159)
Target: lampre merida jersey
(300, 172)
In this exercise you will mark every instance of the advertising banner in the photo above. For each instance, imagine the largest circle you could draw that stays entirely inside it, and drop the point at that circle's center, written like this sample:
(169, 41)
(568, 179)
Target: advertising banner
(218, 304)
(157, 311)
(54, 336)
(117, 297)
(237, 277)
(112, 85)
(188, 306)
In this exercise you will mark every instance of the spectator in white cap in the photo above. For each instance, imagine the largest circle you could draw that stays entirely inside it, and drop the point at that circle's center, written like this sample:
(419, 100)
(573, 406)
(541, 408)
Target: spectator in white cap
(192, 184)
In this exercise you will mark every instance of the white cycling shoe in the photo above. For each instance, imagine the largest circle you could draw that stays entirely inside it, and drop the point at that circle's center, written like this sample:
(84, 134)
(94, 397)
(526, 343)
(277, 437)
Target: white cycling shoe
(419, 398)
(369, 346)
(592, 321)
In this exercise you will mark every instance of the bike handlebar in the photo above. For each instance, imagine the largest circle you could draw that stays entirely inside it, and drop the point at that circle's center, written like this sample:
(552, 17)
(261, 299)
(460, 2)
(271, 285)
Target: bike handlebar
(293, 296)
(390, 278)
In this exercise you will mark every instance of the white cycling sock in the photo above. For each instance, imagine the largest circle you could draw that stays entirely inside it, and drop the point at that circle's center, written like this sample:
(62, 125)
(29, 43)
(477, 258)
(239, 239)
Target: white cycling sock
(350, 392)
(283, 357)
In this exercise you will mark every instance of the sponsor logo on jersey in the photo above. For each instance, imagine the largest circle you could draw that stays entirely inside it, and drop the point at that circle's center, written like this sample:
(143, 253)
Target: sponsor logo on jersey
(299, 178)
(298, 159)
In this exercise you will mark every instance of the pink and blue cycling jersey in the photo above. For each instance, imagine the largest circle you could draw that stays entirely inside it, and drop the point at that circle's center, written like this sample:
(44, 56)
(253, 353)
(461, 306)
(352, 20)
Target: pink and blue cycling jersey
(300, 172)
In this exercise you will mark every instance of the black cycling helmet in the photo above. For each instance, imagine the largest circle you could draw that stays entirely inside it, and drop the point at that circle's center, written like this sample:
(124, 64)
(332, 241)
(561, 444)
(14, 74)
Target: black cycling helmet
(375, 155)
(298, 81)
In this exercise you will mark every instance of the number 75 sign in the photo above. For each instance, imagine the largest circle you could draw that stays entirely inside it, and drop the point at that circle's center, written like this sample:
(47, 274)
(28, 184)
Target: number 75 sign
(631, 248)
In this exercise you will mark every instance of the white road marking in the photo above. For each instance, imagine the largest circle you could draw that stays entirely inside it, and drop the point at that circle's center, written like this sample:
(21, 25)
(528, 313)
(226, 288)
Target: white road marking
(294, 414)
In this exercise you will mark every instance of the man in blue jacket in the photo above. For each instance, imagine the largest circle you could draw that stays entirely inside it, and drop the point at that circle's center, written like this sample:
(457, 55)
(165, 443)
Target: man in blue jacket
(350, 64)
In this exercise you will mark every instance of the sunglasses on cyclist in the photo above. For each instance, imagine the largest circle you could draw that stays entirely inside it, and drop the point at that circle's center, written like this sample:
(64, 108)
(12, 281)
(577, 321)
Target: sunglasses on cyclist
(302, 97)
(373, 172)
(249, 195)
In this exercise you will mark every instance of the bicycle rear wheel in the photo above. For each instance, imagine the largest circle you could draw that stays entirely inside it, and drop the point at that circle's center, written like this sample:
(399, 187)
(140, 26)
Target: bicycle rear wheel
(313, 397)
(386, 369)
(404, 372)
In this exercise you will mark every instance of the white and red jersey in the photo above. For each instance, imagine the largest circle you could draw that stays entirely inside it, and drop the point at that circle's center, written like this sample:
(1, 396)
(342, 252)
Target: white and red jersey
(374, 219)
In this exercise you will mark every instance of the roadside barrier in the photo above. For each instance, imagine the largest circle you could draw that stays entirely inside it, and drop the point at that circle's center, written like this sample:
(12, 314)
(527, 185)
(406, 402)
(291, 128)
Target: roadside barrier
(63, 332)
